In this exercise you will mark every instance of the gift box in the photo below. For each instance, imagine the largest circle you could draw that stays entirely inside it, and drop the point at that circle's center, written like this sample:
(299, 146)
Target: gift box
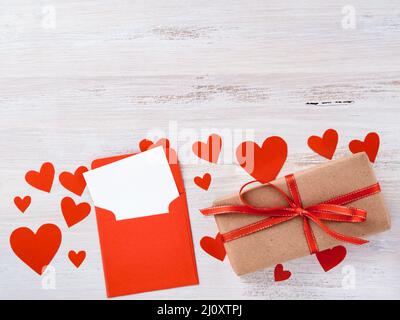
(337, 202)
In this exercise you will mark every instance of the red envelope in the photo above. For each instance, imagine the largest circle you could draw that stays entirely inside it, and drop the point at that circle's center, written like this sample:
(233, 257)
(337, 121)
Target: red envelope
(147, 253)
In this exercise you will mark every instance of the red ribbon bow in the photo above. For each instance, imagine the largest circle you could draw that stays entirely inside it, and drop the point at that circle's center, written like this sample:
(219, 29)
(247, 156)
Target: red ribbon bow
(331, 210)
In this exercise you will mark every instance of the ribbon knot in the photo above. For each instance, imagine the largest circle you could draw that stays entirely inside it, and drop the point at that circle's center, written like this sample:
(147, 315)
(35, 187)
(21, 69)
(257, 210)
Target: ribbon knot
(300, 211)
(331, 210)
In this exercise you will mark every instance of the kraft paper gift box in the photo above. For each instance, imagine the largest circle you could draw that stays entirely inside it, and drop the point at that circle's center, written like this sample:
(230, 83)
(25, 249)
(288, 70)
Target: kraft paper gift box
(286, 241)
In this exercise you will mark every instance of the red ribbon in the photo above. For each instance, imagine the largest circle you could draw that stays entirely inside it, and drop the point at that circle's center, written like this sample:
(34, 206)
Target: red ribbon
(331, 210)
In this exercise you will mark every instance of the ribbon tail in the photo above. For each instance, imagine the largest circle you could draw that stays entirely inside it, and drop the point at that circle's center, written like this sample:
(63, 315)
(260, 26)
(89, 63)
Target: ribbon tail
(269, 212)
(355, 195)
(338, 213)
(226, 209)
(254, 227)
(312, 243)
(336, 235)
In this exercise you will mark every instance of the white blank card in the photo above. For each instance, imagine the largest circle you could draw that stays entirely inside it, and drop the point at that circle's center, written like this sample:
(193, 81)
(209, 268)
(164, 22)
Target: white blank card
(137, 186)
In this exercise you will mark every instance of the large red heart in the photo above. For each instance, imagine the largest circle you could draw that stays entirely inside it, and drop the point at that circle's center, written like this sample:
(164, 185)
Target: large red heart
(210, 150)
(330, 258)
(214, 247)
(203, 182)
(22, 203)
(36, 249)
(264, 163)
(147, 144)
(325, 146)
(42, 180)
(280, 274)
(74, 213)
(74, 182)
(370, 145)
(77, 257)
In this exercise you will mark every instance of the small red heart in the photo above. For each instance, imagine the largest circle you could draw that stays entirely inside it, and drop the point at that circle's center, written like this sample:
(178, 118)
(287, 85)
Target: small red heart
(280, 274)
(42, 180)
(74, 182)
(214, 247)
(330, 258)
(209, 151)
(77, 257)
(170, 153)
(203, 182)
(146, 144)
(325, 146)
(36, 249)
(370, 145)
(74, 213)
(264, 163)
(22, 203)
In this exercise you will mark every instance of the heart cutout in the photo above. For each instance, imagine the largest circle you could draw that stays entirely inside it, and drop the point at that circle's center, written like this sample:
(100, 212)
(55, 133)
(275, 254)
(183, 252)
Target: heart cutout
(370, 145)
(147, 144)
(203, 182)
(22, 203)
(214, 246)
(280, 274)
(263, 163)
(170, 153)
(210, 150)
(72, 212)
(330, 258)
(325, 146)
(38, 249)
(77, 257)
(43, 179)
(74, 182)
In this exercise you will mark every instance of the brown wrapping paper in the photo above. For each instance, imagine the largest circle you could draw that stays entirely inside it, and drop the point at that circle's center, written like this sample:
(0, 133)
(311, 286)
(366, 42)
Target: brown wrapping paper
(286, 241)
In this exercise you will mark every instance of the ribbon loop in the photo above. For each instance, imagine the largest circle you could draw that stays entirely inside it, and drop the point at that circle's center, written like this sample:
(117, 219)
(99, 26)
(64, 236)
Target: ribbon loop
(330, 210)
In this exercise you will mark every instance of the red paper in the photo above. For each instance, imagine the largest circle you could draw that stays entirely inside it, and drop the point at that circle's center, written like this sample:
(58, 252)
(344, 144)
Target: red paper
(147, 253)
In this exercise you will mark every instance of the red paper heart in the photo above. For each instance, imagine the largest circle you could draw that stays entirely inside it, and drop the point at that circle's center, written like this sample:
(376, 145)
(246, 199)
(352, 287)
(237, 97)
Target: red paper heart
(203, 182)
(264, 163)
(325, 146)
(74, 213)
(22, 203)
(280, 274)
(209, 151)
(146, 144)
(74, 182)
(77, 257)
(370, 145)
(36, 249)
(42, 180)
(330, 258)
(214, 247)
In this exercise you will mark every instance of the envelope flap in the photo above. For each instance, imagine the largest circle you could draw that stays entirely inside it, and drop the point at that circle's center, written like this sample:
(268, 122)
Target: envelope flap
(134, 186)
(172, 160)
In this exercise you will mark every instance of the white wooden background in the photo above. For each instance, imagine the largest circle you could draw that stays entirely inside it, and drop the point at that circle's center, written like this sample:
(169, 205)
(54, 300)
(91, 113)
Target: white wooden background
(104, 74)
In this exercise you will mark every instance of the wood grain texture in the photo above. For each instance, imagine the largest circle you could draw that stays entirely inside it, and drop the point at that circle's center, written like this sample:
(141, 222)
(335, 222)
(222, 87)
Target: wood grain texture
(108, 75)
